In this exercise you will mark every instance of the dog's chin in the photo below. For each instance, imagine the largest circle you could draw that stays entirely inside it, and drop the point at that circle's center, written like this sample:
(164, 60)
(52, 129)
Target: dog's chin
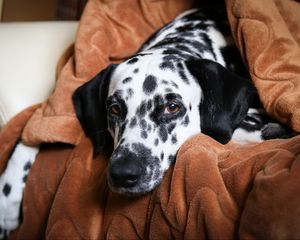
(128, 192)
(136, 191)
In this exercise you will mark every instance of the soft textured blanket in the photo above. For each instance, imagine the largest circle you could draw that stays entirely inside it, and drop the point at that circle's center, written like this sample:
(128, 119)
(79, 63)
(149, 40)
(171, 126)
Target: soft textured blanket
(213, 191)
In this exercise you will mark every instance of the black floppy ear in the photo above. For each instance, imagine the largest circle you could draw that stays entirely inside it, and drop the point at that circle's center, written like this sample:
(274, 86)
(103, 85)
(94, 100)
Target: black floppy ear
(225, 101)
(89, 102)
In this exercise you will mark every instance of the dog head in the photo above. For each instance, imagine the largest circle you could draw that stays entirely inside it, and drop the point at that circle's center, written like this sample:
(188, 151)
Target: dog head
(151, 107)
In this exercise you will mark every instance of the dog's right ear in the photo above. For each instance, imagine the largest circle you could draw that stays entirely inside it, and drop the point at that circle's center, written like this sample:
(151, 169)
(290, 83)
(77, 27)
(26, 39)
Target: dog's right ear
(89, 102)
(225, 101)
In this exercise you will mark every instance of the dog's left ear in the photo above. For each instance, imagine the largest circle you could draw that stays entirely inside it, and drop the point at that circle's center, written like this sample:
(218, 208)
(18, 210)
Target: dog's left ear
(89, 102)
(225, 101)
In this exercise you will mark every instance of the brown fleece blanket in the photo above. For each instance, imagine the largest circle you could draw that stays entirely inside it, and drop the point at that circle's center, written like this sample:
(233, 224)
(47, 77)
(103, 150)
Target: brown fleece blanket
(213, 191)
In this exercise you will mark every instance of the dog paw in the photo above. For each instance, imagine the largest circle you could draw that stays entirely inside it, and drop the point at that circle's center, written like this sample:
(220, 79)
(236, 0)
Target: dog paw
(10, 200)
(12, 183)
(9, 219)
(276, 130)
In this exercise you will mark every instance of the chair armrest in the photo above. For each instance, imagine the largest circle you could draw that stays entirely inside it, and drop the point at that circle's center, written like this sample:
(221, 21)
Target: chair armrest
(29, 54)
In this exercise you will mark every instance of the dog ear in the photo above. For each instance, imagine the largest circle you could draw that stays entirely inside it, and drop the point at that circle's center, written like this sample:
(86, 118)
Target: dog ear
(89, 102)
(225, 101)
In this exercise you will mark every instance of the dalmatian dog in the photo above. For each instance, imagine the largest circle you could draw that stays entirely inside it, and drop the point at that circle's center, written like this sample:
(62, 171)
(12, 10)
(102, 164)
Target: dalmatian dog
(182, 82)
(178, 85)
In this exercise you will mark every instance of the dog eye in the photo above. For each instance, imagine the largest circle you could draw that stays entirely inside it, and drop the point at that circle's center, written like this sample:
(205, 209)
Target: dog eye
(114, 110)
(172, 108)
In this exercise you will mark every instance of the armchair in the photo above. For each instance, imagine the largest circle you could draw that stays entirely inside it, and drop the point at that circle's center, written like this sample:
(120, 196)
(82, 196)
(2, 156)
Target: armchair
(29, 55)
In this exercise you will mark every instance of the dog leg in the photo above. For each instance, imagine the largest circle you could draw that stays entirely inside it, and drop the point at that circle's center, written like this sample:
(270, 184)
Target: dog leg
(258, 126)
(12, 183)
(276, 130)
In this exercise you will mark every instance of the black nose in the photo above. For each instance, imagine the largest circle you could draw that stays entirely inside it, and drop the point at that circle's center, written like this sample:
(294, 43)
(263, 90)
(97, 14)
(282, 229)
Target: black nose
(125, 173)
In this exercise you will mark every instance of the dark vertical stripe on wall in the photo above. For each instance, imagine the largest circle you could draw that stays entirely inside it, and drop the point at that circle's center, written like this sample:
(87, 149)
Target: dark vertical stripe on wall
(70, 9)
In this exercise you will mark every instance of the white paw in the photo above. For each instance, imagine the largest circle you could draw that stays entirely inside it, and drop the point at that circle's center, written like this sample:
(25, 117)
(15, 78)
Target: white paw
(12, 183)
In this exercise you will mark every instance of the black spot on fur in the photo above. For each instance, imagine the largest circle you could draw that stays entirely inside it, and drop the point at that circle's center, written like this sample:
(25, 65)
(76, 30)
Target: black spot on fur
(171, 40)
(185, 28)
(208, 42)
(170, 51)
(156, 142)
(180, 66)
(142, 109)
(174, 84)
(155, 115)
(171, 127)
(174, 139)
(188, 34)
(167, 66)
(182, 74)
(27, 166)
(199, 46)
(6, 189)
(143, 124)
(144, 134)
(132, 60)
(162, 156)
(127, 80)
(168, 90)
(183, 48)
(186, 121)
(133, 122)
(25, 178)
(130, 92)
(164, 82)
(149, 105)
(163, 133)
(150, 84)
(136, 70)
(170, 58)
(173, 96)
(158, 100)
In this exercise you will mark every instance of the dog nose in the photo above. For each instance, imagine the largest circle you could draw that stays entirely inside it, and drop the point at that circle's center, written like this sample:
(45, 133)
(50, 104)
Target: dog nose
(125, 174)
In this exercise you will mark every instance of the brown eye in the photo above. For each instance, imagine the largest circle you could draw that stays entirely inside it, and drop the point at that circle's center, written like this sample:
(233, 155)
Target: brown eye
(172, 108)
(115, 110)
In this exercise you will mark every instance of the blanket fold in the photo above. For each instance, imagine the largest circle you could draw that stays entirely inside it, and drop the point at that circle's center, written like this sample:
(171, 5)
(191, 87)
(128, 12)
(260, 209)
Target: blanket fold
(267, 34)
(11, 133)
(214, 191)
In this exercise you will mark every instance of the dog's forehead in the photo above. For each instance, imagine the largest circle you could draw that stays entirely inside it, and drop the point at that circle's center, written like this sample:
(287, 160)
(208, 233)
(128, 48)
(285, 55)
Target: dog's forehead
(144, 77)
